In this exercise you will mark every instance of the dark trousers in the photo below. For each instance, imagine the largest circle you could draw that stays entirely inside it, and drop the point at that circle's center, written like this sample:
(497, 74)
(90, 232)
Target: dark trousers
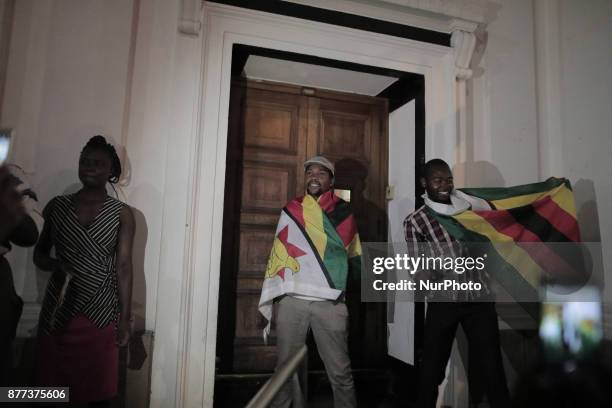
(10, 312)
(479, 321)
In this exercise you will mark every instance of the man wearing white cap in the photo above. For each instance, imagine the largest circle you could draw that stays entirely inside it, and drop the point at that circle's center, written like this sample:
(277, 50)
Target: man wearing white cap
(315, 247)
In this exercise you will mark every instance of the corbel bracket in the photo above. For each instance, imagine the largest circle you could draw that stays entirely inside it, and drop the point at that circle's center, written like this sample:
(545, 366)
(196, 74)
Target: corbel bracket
(190, 21)
(463, 42)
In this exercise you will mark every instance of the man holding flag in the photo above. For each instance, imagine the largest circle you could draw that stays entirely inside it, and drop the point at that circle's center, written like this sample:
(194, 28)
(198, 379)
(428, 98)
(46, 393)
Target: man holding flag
(530, 236)
(445, 311)
(316, 246)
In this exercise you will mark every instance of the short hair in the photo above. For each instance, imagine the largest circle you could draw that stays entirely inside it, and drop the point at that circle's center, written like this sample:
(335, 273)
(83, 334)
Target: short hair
(98, 142)
(431, 164)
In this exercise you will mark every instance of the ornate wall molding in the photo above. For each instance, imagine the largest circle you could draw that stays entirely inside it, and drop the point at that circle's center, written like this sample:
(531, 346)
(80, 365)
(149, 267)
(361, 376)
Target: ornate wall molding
(547, 36)
(460, 18)
(474, 10)
(190, 21)
(463, 41)
(381, 11)
(434, 15)
(225, 26)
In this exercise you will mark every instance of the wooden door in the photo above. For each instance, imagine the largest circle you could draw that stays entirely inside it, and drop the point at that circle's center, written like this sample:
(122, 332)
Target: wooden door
(273, 129)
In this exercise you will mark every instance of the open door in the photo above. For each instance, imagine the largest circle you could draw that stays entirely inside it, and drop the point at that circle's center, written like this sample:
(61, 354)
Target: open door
(273, 129)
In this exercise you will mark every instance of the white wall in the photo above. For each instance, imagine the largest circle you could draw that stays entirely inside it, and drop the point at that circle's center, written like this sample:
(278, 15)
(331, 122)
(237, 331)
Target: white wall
(586, 128)
(503, 99)
(561, 49)
(121, 69)
(574, 60)
(162, 127)
(66, 81)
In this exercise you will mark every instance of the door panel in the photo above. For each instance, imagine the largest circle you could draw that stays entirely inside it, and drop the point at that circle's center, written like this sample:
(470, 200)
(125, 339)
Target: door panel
(273, 129)
(345, 135)
(353, 135)
(254, 250)
(266, 185)
(272, 125)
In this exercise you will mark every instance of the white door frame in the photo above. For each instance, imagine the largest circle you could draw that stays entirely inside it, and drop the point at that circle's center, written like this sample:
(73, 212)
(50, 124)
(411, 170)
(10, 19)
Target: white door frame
(224, 26)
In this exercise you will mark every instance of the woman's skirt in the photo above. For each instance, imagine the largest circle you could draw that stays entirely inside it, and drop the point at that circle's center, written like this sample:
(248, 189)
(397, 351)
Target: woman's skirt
(82, 357)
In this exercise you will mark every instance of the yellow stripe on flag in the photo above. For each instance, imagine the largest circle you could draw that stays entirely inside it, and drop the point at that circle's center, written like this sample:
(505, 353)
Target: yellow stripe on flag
(504, 245)
(560, 195)
(313, 221)
(564, 198)
(354, 248)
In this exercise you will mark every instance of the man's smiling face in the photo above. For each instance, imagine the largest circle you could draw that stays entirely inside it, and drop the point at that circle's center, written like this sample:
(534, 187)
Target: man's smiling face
(318, 180)
(439, 184)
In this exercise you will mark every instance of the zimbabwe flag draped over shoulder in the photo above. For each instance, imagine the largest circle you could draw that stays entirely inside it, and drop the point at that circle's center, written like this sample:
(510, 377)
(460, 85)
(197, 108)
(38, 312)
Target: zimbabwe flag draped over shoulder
(520, 226)
(315, 246)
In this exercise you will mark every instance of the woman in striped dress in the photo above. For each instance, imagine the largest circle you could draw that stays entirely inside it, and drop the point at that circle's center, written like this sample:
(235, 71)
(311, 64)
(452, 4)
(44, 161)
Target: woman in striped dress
(85, 314)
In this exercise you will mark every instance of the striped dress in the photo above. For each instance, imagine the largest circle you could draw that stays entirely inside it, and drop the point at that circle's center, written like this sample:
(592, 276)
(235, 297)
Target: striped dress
(91, 252)
(78, 317)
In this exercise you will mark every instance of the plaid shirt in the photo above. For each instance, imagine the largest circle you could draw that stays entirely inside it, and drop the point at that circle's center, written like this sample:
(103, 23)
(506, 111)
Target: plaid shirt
(419, 228)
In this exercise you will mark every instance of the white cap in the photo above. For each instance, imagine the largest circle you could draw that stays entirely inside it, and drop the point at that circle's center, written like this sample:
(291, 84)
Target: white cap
(321, 161)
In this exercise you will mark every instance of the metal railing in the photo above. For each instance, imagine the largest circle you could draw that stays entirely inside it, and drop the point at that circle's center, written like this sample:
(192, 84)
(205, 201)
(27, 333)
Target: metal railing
(268, 391)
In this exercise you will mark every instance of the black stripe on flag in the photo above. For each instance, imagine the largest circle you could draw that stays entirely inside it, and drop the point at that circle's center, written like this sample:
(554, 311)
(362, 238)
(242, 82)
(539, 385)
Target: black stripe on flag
(547, 233)
(314, 249)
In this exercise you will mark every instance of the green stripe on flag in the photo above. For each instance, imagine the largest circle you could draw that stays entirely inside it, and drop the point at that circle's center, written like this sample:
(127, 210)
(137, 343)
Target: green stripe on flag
(335, 259)
(500, 193)
(496, 266)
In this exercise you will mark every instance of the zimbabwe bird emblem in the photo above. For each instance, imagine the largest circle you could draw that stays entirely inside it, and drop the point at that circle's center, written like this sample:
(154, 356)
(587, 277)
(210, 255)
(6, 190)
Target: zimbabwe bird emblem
(283, 256)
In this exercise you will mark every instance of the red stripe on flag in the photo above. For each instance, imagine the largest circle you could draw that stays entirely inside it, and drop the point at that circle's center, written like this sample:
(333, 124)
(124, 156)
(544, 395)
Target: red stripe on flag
(541, 253)
(328, 201)
(558, 217)
(347, 229)
(505, 223)
(295, 209)
(292, 250)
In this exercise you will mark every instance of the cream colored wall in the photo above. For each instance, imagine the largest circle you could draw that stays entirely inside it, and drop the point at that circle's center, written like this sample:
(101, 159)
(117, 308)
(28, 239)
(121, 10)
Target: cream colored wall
(541, 108)
(584, 143)
(163, 122)
(122, 69)
(502, 97)
(67, 78)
